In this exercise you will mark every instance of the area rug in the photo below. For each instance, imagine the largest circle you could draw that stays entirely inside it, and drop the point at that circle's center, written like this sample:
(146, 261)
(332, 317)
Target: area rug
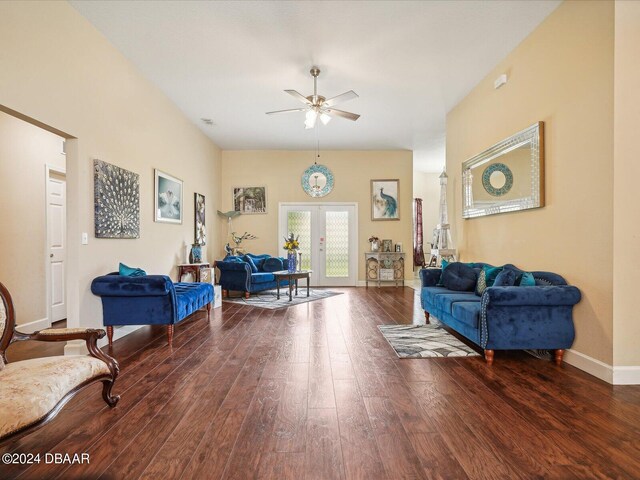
(268, 298)
(424, 341)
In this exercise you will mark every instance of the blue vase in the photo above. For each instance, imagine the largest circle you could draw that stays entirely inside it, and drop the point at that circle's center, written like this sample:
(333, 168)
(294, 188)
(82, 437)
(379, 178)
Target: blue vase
(291, 260)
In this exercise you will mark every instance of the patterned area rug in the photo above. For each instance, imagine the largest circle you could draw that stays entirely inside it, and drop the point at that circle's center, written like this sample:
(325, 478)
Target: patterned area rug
(268, 298)
(424, 341)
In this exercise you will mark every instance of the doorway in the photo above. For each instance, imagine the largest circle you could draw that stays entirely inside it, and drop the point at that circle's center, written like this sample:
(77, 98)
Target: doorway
(328, 237)
(56, 255)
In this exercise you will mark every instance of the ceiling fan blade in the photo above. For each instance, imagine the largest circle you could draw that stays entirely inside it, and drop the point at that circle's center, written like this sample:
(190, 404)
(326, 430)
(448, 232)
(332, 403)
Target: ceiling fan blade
(299, 96)
(289, 110)
(342, 113)
(343, 97)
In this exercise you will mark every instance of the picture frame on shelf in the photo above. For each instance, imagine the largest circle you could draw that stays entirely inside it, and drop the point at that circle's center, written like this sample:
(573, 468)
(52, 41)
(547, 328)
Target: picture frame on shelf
(199, 223)
(385, 199)
(250, 200)
(168, 198)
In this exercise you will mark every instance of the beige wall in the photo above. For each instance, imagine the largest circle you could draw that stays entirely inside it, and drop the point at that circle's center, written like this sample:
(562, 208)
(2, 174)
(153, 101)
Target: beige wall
(55, 67)
(24, 152)
(281, 172)
(426, 186)
(626, 218)
(562, 74)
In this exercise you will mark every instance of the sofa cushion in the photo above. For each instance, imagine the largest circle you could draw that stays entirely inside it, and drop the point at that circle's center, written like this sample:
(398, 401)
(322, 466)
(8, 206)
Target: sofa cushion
(506, 278)
(467, 313)
(249, 260)
(444, 301)
(459, 277)
(262, 277)
(30, 389)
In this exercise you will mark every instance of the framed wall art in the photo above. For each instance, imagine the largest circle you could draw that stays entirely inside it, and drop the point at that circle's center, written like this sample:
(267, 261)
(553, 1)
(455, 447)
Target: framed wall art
(385, 195)
(250, 200)
(200, 230)
(168, 198)
(116, 201)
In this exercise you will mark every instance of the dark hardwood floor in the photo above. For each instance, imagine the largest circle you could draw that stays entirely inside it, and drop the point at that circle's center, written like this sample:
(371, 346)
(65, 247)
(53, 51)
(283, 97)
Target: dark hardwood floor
(314, 391)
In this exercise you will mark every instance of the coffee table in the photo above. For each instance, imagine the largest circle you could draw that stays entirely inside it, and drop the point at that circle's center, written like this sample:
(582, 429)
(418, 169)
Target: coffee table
(293, 277)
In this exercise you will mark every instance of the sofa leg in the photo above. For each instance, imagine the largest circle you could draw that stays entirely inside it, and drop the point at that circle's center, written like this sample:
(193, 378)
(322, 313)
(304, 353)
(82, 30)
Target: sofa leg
(170, 330)
(488, 356)
(110, 335)
(247, 294)
(426, 317)
(209, 311)
(558, 356)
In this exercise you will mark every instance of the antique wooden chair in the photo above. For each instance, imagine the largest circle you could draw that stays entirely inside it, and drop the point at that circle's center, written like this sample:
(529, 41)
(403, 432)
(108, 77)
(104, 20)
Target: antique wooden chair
(32, 392)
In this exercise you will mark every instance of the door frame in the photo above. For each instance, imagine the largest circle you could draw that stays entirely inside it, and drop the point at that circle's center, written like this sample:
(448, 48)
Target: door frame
(47, 268)
(353, 259)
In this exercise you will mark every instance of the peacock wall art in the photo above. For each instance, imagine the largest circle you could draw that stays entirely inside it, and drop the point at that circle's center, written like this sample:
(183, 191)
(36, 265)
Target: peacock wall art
(384, 200)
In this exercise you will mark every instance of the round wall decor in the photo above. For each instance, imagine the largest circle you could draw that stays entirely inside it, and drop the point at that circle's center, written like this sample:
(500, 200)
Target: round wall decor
(317, 181)
(497, 179)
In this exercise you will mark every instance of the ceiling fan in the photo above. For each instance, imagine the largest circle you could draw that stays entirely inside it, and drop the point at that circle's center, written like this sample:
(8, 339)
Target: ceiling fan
(318, 106)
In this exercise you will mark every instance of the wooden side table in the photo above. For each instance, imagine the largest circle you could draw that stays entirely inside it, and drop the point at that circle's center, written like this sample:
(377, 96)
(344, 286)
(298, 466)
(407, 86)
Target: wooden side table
(193, 268)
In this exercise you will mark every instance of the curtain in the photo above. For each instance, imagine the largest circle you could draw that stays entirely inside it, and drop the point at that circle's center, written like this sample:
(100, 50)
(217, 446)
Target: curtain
(418, 252)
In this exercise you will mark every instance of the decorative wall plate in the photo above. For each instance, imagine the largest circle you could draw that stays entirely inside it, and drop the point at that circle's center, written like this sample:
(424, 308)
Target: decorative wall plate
(487, 180)
(317, 181)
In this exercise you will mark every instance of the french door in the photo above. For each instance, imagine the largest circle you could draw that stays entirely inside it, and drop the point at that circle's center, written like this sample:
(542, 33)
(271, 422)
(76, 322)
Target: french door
(328, 239)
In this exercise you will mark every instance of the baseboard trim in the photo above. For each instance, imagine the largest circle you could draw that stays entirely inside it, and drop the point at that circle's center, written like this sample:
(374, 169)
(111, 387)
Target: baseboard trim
(34, 326)
(79, 347)
(622, 375)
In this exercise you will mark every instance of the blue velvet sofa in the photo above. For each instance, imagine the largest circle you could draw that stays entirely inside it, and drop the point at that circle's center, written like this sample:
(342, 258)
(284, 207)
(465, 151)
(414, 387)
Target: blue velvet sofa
(535, 317)
(249, 273)
(149, 300)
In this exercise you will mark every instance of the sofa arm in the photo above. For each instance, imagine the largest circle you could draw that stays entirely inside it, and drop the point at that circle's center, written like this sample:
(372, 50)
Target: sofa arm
(430, 276)
(122, 286)
(532, 296)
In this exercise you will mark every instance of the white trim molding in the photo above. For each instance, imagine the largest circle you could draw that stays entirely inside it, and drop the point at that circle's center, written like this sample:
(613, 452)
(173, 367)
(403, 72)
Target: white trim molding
(615, 375)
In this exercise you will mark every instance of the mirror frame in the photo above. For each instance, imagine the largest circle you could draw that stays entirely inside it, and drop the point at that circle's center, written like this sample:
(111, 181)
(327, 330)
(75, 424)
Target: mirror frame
(306, 181)
(533, 135)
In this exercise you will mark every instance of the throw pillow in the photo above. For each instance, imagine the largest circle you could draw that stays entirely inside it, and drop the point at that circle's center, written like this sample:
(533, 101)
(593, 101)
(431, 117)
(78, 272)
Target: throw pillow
(459, 277)
(486, 278)
(126, 271)
(506, 278)
(527, 280)
(249, 260)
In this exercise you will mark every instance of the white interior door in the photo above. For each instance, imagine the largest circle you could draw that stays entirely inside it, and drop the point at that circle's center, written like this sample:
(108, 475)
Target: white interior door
(57, 244)
(328, 238)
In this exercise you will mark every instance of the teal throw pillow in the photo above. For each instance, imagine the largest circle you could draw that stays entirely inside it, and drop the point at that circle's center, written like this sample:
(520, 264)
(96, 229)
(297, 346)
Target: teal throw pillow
(527, 280)
(126, 271)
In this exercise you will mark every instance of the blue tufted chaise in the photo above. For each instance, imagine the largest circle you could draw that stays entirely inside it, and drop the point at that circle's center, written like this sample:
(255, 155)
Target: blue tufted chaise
(506, 318)
(238, 274)
(149, 300)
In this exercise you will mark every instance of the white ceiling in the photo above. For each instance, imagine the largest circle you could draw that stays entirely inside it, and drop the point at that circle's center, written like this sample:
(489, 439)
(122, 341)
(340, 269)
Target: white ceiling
(230, 61)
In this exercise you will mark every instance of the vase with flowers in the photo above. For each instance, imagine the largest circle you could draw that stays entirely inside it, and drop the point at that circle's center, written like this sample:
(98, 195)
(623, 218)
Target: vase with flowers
(375, 243)
(291, 245)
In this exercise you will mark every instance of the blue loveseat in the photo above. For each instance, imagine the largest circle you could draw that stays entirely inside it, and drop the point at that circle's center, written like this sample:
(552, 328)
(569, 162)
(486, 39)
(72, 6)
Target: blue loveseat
(249, 273)
(535, 317)
(149, 300)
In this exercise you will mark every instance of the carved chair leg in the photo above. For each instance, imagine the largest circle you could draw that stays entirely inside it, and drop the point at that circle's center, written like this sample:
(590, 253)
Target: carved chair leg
(558, 356)
(111, 400)
(110, 334)
(426, 317)
(488, 356)
(170, 330)
(209, 311)
(247, 294)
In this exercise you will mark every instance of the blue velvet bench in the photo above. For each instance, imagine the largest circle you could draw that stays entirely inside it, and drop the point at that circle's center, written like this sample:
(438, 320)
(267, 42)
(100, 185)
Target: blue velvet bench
(537, 317)
(149, 300)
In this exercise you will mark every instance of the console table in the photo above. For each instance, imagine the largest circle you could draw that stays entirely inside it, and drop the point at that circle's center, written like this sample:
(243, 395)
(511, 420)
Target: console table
(195, 269)
(384, 267)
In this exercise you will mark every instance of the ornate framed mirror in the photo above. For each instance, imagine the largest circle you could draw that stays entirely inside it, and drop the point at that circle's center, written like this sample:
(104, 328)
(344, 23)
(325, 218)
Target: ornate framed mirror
(317, 181)
(507, 177)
